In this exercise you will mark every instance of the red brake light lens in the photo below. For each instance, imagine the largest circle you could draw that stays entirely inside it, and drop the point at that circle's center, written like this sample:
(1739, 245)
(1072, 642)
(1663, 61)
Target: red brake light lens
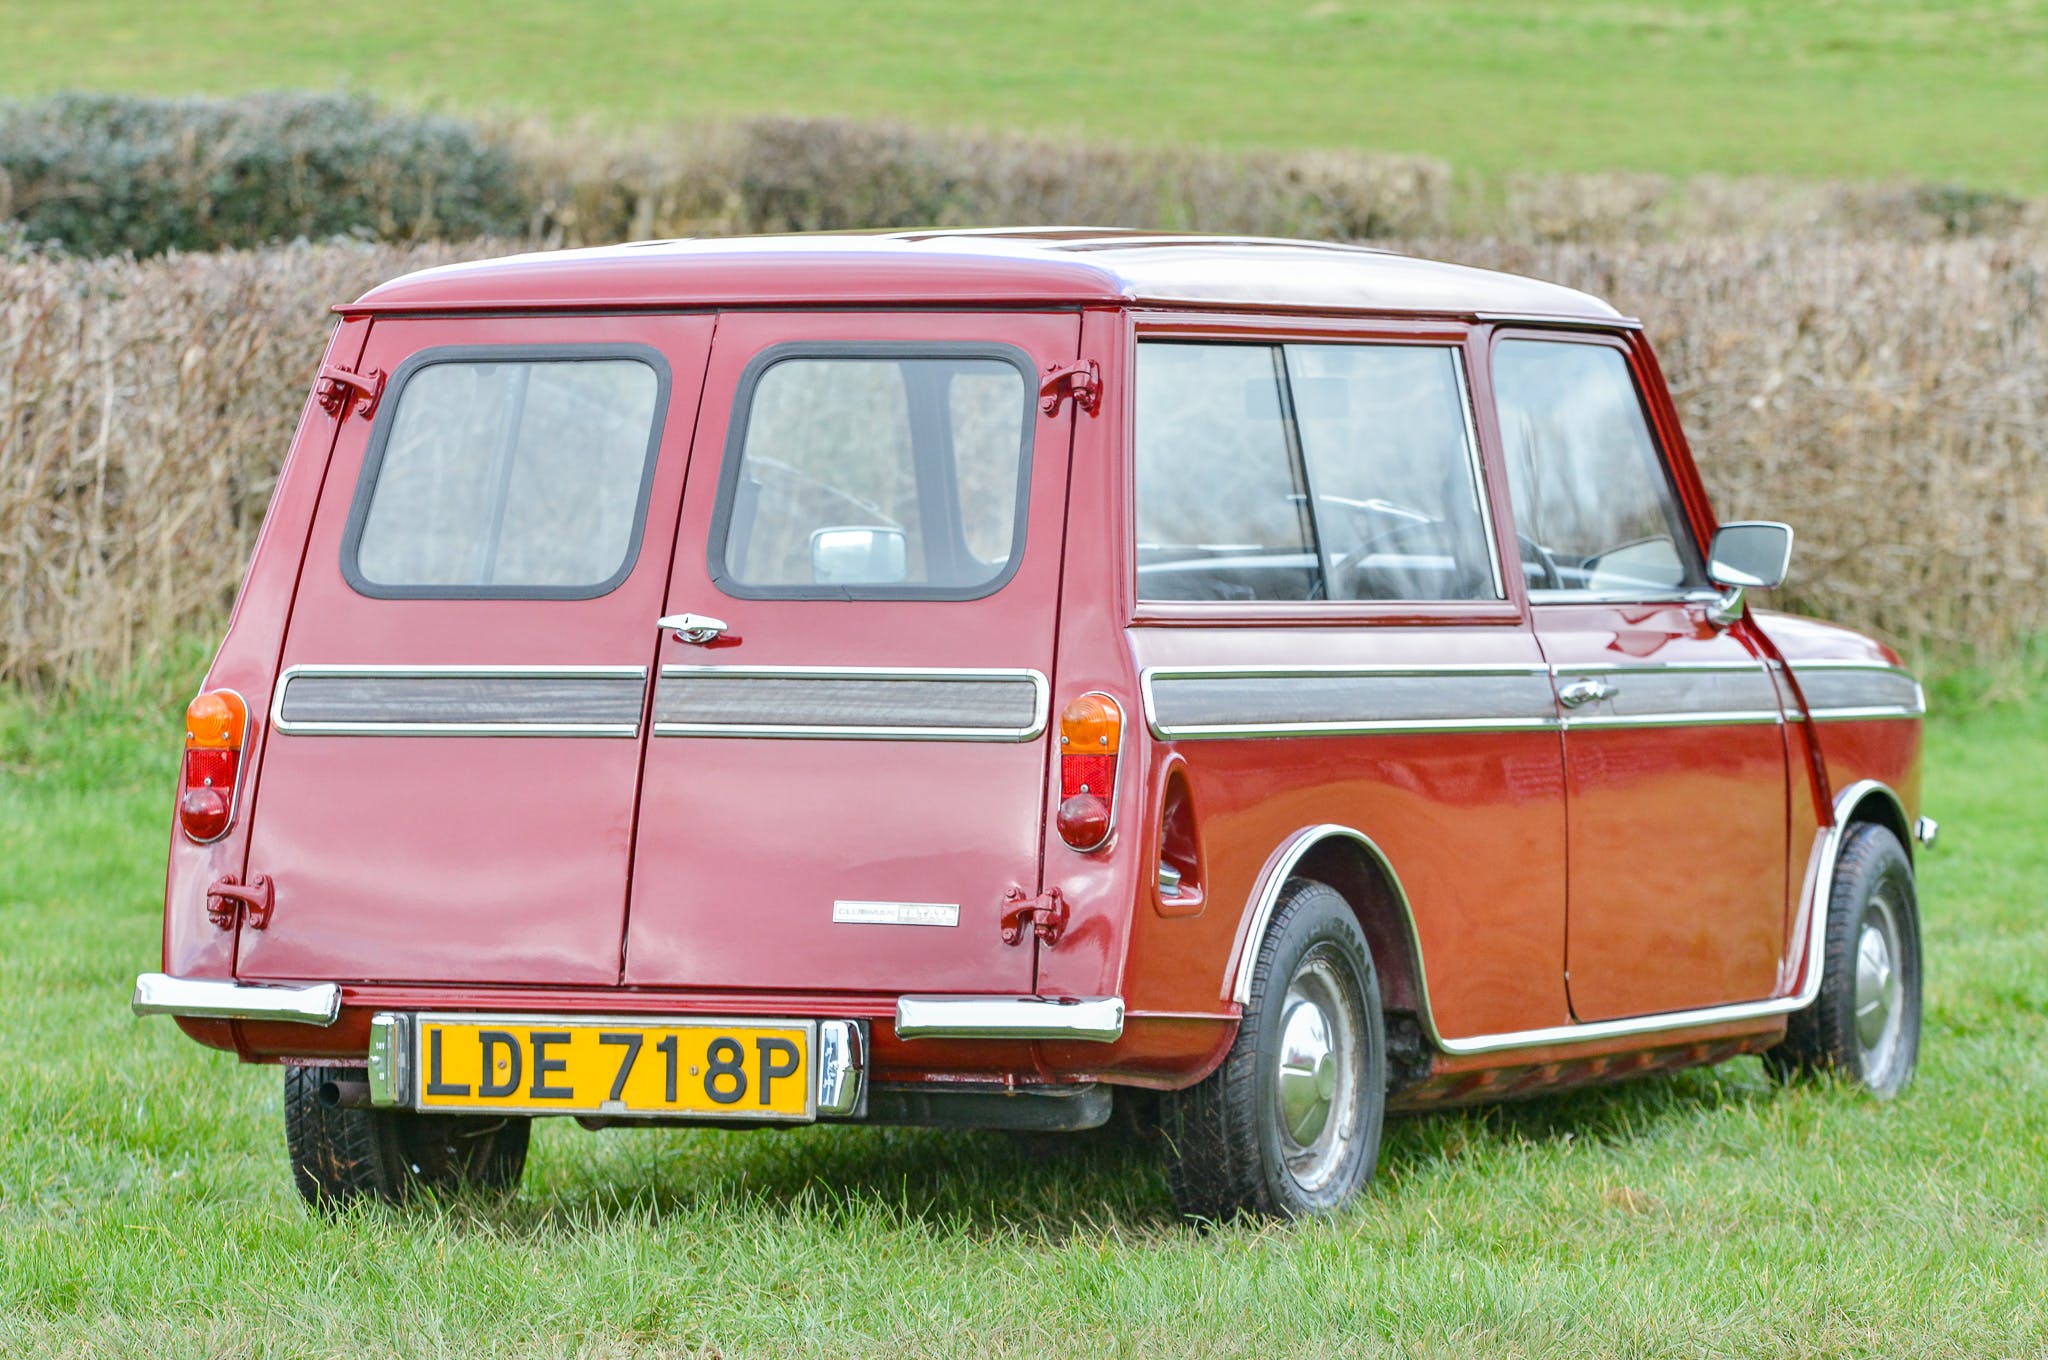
(215, 725)
(1091, 734)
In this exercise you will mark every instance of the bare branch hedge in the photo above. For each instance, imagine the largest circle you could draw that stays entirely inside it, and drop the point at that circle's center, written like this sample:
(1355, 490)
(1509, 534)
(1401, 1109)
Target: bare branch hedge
(1890, 398)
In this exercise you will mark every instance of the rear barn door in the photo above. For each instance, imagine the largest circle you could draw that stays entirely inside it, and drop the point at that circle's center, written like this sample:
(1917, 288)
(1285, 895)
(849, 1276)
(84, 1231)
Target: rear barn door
(843, 784)
(448, 794)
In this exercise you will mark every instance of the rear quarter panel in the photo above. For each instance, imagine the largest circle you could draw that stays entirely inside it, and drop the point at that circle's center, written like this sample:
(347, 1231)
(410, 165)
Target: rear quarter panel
(193, 947)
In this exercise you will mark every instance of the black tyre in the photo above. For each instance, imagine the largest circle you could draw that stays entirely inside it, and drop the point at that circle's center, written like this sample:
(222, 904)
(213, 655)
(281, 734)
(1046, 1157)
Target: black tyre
(1865, 1024)
(343, 1155)
(1289, 1124)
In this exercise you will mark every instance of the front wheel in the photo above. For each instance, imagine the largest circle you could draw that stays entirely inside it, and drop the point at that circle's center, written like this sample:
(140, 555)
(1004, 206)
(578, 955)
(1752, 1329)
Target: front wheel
(1865, 1024)
(1289, 1125)
(342, 1155)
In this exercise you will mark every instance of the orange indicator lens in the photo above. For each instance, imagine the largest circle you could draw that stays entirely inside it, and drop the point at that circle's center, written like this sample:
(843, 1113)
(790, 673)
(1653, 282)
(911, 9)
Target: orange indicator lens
(1092, 725)
(216, 721)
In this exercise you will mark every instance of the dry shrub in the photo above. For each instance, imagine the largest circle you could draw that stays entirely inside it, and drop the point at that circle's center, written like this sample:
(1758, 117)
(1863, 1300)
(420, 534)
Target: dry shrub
(1889, 398)
(103, 173)
(591, 186)
(827, 174)
(144, 409)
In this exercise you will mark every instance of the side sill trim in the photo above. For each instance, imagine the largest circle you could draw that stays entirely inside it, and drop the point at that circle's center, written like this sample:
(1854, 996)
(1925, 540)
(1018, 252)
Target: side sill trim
(1820, 878)
(1094, 1019)
(206, 999)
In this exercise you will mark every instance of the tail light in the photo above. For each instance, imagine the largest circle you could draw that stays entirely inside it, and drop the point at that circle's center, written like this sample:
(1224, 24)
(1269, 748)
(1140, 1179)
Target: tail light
(215, 724)
(1091, 731)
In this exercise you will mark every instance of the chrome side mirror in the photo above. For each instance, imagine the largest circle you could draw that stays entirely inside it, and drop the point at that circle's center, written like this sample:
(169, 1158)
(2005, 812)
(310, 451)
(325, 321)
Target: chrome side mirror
(859, 555)
(1746, 555)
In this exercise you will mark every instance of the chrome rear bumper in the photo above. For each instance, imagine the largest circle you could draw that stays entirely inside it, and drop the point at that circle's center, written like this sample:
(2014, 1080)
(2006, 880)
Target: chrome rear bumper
(1095, 1019)
(211, 999)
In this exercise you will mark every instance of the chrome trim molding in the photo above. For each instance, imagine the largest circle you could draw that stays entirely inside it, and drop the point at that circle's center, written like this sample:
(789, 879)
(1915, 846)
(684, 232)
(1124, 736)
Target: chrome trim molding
(1197, 702)
(1845, 691)
(842, 1071)
(210, 999)
(857, 703)
(447, 701)
(390, 1067)
(1278, 701)
(1819, 880)
(1674, 694)
(1094, 1019)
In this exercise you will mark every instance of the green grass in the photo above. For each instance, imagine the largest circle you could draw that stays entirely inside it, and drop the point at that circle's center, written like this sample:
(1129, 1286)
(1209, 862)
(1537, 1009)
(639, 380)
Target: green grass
(1852, 88)
(145, 1207)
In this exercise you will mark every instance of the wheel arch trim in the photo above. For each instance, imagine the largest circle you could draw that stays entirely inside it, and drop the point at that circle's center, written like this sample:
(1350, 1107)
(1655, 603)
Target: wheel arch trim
(1279, 868)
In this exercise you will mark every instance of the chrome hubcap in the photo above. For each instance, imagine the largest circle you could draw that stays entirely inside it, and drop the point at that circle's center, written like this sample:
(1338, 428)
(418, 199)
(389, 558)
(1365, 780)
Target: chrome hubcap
(1315, 1082)
(1880, 988)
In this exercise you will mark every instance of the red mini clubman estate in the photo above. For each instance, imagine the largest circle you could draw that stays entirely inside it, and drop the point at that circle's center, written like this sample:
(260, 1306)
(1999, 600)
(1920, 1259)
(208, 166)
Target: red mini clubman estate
(981, 678)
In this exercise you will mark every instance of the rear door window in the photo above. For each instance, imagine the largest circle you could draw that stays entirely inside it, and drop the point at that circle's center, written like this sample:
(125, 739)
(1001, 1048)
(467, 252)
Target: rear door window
(1308, 472)
(508, 473)
(859, 473)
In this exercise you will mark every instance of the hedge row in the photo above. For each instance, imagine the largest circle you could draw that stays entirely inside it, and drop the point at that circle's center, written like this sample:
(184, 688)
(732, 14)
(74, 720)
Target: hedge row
(104, 174)
(1886, 397)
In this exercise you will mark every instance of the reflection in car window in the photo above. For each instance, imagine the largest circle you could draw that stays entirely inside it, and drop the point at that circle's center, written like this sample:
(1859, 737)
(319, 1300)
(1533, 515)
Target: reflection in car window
(1389, 453)
(878, 476)
(1300, 472)
(1593, 510)
(1222, 513)
(509, 478)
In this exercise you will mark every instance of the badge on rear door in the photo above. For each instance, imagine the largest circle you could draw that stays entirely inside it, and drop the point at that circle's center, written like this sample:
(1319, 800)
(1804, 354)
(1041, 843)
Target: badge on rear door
(896, 913)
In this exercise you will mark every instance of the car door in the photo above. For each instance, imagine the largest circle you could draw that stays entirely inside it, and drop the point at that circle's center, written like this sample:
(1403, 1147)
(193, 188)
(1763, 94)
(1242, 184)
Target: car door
(845, 779)
(1674, 742)
(1329, 643)
(447, 791)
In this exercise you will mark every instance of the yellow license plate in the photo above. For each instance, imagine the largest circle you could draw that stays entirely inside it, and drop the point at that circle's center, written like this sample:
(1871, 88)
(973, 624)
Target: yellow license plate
(711, 1069)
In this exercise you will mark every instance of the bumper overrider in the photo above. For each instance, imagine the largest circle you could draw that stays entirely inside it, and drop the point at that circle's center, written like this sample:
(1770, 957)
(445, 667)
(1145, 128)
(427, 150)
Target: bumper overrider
(841, 1075)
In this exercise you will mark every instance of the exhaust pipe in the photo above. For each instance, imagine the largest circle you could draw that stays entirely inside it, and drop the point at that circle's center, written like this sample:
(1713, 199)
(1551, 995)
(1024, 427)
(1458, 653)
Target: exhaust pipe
(345, 1094)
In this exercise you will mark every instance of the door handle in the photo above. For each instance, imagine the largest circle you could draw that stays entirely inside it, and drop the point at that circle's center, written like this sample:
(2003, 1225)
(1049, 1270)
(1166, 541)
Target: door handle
(1586, 690)
(693, 628)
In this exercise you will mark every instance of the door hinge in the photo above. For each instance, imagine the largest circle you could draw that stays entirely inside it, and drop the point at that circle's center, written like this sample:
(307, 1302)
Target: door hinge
(228, 894)
(337, 388)
(1045, 914)
(1082, 381)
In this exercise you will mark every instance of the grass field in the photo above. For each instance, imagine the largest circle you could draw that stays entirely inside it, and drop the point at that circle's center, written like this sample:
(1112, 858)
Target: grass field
(1854, 88)
(145, 1206)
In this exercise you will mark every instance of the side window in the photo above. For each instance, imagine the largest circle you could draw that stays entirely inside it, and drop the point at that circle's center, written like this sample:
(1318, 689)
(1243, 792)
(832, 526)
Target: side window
(507, 477)
(1594, 511)
(1389, 453)
(1222, 510)
(875, 476)
(1304, 472)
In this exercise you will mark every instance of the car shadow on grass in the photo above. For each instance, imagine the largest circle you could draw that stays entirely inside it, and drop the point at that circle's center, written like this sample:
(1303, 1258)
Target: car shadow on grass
(1054, 1188)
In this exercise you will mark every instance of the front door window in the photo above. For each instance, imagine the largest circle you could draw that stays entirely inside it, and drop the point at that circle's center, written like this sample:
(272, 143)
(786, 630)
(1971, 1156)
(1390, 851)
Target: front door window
(1594, 511)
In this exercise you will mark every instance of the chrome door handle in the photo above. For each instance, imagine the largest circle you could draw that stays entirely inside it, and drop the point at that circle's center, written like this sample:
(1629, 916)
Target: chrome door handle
(1585, 691)
(697, 628)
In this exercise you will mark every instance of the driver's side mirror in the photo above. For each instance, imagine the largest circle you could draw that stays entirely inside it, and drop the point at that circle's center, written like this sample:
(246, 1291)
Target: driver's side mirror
(1747, 555)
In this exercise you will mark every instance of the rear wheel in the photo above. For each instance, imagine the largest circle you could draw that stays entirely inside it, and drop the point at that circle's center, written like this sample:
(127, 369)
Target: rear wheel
(1289, 1125)
(1865, 1024)
(343, 1155)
